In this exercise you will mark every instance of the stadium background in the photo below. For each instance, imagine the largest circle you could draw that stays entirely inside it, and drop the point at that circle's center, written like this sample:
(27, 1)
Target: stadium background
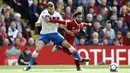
(22, 15)
(113, 15)
(98, 54)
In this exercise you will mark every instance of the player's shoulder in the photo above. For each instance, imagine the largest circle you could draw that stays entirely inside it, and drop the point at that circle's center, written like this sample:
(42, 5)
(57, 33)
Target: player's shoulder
(70, 22)
(57, 13)
(44, 11)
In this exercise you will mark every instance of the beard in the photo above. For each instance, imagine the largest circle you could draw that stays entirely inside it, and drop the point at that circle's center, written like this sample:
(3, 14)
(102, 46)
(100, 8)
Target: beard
(78, 21)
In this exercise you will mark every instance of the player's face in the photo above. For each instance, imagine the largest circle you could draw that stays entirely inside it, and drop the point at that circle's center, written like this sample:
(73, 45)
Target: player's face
(51, 10)
(79, 18)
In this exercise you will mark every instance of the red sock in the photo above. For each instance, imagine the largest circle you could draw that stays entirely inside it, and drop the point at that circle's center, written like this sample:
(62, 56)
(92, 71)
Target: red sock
(77, 63)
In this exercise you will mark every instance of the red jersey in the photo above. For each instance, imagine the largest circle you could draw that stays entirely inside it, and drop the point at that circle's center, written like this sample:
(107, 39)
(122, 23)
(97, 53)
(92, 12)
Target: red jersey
(126, 41)
(73, 26)
(3, 35)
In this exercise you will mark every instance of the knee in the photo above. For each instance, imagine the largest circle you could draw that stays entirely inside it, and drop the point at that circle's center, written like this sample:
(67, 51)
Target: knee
(39, 46)
(38, 50)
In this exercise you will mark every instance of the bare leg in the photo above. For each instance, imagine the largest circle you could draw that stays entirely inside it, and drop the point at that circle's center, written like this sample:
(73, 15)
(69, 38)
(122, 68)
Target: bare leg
(39, 46)
(35, 53)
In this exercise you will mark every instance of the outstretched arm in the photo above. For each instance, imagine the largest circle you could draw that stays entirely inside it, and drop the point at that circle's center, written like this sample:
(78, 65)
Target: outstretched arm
(64, 22)
(86, 24)
(39, 21)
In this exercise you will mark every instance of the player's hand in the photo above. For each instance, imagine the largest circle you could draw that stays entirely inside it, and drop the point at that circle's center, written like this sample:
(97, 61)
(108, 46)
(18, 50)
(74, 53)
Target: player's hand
(90, 24)
(70, 32)
(36, 14)
(37, 24)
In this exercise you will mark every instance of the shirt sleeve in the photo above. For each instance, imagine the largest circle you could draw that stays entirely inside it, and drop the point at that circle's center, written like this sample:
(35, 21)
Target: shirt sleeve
(58, 21)
(42, 15)
(85, 24)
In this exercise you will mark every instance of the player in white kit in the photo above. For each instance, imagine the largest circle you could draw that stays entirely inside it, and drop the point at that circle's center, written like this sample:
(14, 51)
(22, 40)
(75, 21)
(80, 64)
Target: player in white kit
(49, 33)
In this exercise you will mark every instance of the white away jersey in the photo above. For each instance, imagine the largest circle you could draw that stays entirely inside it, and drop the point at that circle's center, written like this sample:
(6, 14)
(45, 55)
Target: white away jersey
(48, 27)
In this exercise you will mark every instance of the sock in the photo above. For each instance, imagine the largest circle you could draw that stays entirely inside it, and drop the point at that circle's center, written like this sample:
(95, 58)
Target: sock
(72, 49)
(33, 58)
(77, 63)
(31, 62)
(75, 52)
(76, 55)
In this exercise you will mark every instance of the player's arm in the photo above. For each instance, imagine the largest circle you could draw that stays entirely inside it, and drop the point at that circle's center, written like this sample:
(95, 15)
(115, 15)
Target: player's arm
(63, 25)
(63, 22)
(40, 20)
(38, 23)
(67, 31)
(86, 24)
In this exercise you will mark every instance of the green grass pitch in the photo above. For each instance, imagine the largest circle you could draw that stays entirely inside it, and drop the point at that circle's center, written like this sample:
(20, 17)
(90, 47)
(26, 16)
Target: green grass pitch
(63, 69)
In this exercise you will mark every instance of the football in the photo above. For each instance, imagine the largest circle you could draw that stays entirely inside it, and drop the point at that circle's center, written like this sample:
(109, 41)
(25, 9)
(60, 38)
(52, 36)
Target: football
(114, 67)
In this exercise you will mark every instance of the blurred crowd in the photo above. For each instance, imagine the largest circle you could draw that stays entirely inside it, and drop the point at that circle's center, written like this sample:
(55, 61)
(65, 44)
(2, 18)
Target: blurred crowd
(110, 21)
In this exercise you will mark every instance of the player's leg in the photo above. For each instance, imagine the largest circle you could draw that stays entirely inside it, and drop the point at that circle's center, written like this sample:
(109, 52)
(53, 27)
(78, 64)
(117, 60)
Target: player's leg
(40, 44)
(74, 52)
(76, 61)
(65, 50)
(60, 40)
(35, 53)
(56, 47)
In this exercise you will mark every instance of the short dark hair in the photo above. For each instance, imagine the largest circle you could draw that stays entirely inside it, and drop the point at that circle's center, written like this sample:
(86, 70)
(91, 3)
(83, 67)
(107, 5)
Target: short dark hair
(77, 13)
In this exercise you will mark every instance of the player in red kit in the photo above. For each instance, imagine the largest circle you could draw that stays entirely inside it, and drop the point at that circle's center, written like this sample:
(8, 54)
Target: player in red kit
(72, 27)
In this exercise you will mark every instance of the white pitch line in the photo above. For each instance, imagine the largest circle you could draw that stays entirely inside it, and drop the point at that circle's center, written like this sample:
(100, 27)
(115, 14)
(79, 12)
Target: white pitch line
(42, 69)
(54, 69)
